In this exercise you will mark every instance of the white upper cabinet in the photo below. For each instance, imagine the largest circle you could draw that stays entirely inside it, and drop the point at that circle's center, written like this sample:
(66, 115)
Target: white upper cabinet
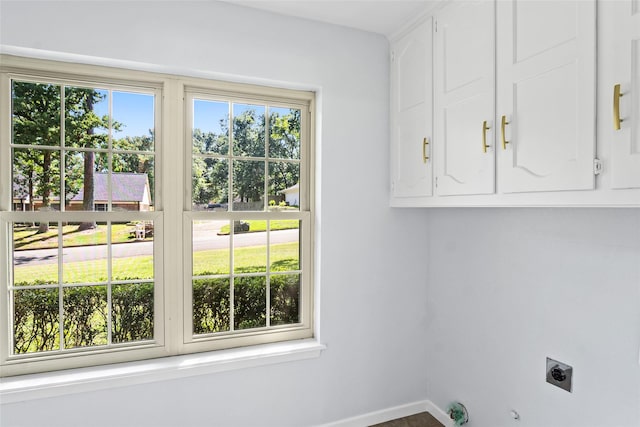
(546, 94)
(464, 92)
(526, 101)
(622, 71)
(411, 115)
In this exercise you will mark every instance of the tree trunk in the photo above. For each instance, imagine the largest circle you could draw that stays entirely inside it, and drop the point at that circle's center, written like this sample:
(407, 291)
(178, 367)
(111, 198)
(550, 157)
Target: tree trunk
(46, 188)
(88, 200)
(31, 204)
(88, 193)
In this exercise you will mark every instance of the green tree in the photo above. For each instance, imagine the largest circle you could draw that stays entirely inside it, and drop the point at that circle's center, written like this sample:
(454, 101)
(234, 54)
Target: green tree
(134, 162)
(284, 143)
(210, 176)
(80, 125)
(36, 123)
(249, 141)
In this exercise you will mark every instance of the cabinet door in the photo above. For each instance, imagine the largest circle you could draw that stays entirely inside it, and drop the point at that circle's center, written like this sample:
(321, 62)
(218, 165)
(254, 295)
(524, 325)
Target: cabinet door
(625, 141)
(464, 93)
(411, 114)
(546, 92)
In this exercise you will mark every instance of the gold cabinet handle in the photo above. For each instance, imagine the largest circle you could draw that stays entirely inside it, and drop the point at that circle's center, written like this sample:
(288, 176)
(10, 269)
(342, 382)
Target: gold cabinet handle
(503, 125)
(485, 127)
(425, 142)
(616, 107)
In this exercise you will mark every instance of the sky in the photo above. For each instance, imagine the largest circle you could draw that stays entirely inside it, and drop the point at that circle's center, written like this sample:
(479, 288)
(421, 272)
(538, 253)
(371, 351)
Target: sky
(135, 111)
(207, 114)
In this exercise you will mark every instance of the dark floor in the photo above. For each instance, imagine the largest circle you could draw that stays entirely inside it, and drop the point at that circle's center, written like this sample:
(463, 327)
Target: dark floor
(423, 419)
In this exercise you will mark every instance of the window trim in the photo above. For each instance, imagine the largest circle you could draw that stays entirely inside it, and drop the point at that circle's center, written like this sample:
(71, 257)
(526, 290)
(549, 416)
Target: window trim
(169, 144)
(54, 384)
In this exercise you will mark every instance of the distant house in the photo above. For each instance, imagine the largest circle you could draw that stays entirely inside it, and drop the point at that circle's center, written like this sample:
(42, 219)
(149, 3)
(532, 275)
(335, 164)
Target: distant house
(130, 192)
(292, 195)
(21, 199)
(20, 194)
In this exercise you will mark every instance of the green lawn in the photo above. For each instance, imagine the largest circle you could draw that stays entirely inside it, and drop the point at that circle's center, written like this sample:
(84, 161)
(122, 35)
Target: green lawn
(284, 257)
(261, 225)
(28, 238)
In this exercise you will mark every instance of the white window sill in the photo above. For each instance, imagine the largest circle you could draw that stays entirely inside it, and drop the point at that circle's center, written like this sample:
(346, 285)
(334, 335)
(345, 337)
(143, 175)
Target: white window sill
(51, 384)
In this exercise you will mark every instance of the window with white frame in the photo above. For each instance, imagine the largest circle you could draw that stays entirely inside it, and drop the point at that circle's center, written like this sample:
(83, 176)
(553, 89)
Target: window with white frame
(82, 213)
(248, 218)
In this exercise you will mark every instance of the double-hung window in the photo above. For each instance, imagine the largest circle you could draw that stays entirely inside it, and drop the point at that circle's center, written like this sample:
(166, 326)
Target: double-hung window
(247, 219)
(91, 161)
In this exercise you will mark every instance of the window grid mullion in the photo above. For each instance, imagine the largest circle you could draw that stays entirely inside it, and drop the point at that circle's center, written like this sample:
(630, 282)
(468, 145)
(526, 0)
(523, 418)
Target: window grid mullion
(230, 155)
(267, 132)
(63, 192)
(109, 285)
(268, 277)
(109, 152)
(232, 305)
(60, 288)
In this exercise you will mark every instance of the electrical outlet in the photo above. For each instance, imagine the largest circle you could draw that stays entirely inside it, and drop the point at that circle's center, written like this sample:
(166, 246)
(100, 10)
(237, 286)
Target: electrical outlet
(559, 374)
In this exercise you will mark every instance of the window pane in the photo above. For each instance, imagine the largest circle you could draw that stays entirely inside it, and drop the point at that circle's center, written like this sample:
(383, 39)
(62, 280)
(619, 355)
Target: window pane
(85, 184)
(86, 117)
(249, 246)
(285, 299)
(85, 253)
(35, 254)
(284, 133)
(210, 184)
(35, 113)
(132, 182)
(248, 185)
(210, 127)
(211, 251)
(36, 179)
(132, 312)
(35, 320)
(284, 247)
(85, 316)
(248, 130)
(133, 121)
(284, 186)
(211, 305)
(249, 302)
(133, 259)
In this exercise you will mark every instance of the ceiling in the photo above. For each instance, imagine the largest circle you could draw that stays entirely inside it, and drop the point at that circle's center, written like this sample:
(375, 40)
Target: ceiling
(377, 16)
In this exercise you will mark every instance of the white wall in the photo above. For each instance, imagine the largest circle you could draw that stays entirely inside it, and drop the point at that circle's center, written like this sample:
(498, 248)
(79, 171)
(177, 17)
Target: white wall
(509, 287)
(372, 257)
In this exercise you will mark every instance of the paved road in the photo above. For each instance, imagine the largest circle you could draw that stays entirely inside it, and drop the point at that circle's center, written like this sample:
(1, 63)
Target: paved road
(204, 240)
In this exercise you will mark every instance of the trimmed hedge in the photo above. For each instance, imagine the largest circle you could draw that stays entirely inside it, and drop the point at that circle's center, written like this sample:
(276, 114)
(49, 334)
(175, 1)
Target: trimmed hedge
(36, 322)
(211, 308)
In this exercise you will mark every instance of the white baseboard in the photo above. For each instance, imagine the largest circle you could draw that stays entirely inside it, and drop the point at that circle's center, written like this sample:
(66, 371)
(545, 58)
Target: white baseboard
(392, 414)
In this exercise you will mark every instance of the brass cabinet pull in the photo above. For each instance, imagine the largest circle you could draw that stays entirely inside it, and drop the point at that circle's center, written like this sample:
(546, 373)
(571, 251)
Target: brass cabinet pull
(485, 127)
(425, 142)
(502, 127)
(616, 107)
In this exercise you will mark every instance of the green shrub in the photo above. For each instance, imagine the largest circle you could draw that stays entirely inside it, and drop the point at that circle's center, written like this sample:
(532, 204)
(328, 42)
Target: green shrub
(211, 307)
(132, 315)
(36, 311)
(36, 316)
(85, 316)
